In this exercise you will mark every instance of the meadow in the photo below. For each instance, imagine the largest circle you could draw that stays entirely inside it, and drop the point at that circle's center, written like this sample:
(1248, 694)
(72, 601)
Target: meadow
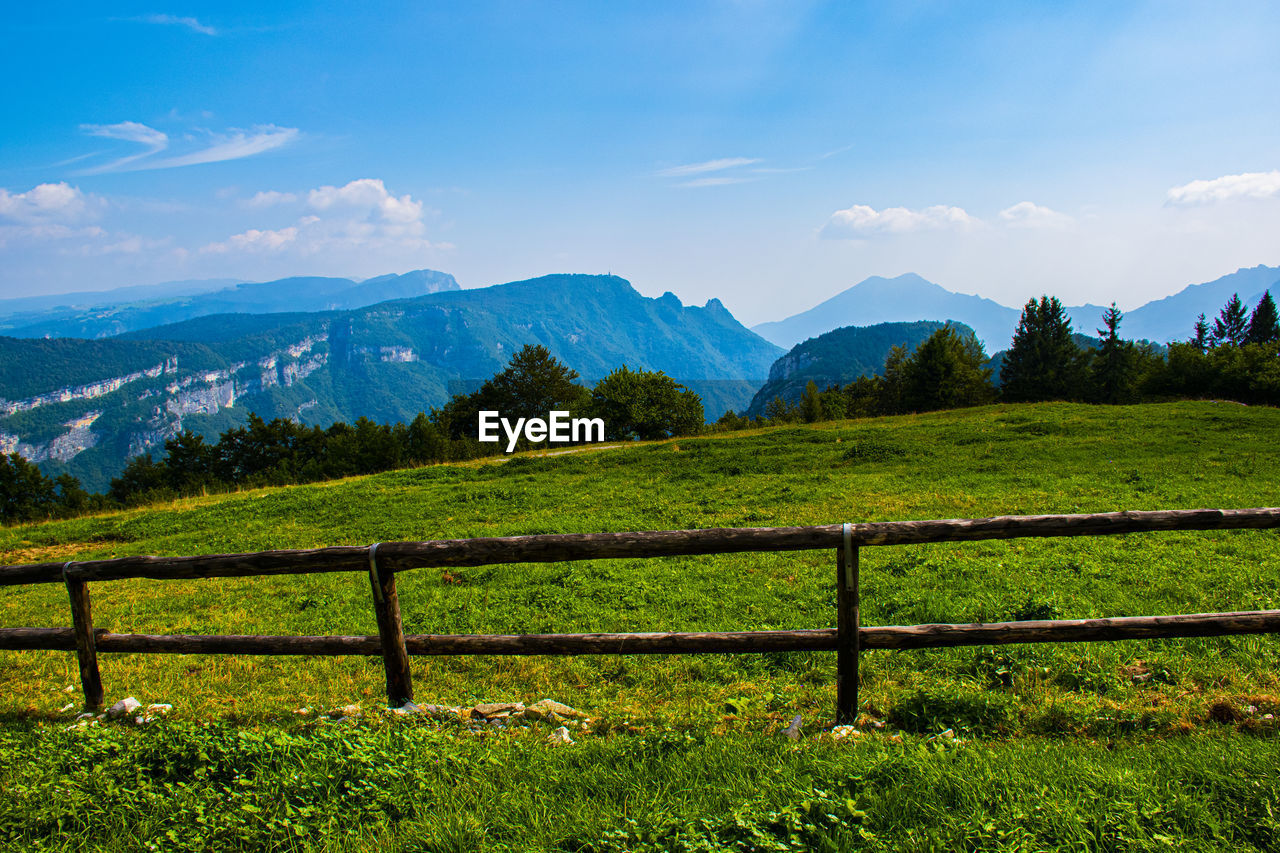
(1111, 746)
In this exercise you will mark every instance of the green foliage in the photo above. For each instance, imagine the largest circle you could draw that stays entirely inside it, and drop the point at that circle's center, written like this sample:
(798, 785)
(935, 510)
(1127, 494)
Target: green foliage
(947, 371)
(532, 384)
(1043, 362)
(26, 494)
(1231, 327)
(644, 404)
(1115, 365)
(1264, 323)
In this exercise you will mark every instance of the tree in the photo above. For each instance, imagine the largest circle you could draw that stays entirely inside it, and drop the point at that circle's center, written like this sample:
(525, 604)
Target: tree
(1043, 362)
(645, 405)
(946, 372)
(811, 403)
(1231, 325)
(531, 385)
(1264, 325)
(1114, 375)
(25, 492)
(1202, 338)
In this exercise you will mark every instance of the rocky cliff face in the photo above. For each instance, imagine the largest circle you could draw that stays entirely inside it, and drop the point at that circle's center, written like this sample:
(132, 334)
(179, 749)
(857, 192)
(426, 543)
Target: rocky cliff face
(165, 406)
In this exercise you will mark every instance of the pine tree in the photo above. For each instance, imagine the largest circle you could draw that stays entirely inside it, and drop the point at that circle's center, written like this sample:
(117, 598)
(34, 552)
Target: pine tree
(1114, 379)
(1232, 323)
(1043, 361)
(1264, 325)
(1202, 339)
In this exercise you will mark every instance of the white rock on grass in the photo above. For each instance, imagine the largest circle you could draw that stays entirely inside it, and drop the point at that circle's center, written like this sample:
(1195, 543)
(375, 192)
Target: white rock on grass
(345, 711)
(560, 737)
(123, 708)
(842, 732)
(497, 710)
(67, 707)
(158, 709)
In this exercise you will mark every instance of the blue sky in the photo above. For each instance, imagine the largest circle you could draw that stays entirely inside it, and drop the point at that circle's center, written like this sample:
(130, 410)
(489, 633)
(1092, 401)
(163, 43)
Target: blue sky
(769, 154)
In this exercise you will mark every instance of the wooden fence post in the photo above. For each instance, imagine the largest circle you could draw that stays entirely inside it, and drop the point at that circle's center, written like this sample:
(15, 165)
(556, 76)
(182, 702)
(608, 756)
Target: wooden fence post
(86, 647)
(848, 623)
(395, 655)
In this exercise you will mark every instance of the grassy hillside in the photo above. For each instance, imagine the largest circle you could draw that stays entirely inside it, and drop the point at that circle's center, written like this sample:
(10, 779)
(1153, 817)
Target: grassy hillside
(687, 745)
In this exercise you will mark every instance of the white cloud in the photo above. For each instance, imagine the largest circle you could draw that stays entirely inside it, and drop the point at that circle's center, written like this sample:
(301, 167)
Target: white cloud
(47, 203)
(255, 240)
(174, 20)
(369, 195)
(707, 166)
(1246, 185)
(1026, 214)
(270, 198)
(358, 216)
(862, 220)
(233, 145)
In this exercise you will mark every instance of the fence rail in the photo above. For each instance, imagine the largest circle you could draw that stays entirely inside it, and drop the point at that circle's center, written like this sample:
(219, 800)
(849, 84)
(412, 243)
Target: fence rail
(383, 560)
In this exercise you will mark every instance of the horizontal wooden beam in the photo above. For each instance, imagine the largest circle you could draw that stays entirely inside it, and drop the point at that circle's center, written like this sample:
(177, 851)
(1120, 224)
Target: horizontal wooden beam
(733, 642)
(557, 547)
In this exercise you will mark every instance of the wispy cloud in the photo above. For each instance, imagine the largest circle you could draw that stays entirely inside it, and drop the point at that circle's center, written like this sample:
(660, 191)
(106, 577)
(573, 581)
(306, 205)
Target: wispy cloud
(707, 166)
(269, 198)
(713, 182)
(861, 220)
(232, 145)
(152, 140)
(1226, 188)
(174, 20)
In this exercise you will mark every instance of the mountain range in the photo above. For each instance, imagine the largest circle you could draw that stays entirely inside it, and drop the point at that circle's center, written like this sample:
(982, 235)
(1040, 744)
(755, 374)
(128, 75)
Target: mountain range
(909, 297)
(100, 315)
(86, 406)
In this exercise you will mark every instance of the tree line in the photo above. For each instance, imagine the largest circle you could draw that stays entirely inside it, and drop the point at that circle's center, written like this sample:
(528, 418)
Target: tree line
(1237, 357)
(634, 404)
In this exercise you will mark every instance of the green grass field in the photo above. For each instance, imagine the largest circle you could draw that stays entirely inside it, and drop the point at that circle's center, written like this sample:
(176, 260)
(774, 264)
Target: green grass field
(1114, 746)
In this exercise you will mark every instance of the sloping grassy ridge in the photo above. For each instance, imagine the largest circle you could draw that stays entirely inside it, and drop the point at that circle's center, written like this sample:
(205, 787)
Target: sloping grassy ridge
(1173, 738)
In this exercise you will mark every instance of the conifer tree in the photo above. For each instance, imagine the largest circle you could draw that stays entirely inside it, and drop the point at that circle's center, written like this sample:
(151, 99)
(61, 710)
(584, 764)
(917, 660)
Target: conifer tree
(1043, 362)
(1264, 325)
(1202, 338)
(1114, 379)
(1232, 323)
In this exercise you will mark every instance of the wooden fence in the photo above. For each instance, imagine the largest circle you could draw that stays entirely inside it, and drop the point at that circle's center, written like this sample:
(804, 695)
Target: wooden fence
(382, 561)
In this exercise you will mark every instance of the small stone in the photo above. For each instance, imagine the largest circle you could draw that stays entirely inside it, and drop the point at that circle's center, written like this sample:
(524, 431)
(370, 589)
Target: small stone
(302, 712)
(949, 734)
(1268, 716)
(842, 732)
(793, 731)
(67, 707)
(86, 716)
(1141, 678)
(560, 737)
(345, 711)
(70, 688)
(440, 712)
(1250, 709)
(549, 709)
(497, 710)
(157, 709)
(123, 708)
(144, 719)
